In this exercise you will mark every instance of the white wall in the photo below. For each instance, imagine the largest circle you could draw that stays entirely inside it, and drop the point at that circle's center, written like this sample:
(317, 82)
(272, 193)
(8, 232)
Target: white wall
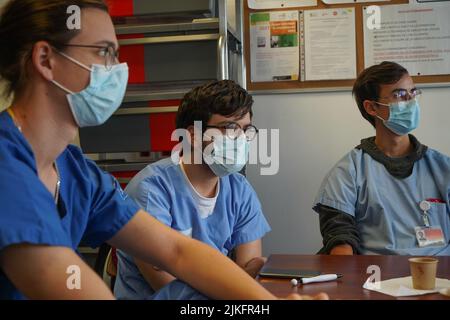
(316, 130)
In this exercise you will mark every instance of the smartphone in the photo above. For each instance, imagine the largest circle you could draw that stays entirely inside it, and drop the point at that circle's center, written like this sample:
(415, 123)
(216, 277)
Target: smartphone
(287, 273)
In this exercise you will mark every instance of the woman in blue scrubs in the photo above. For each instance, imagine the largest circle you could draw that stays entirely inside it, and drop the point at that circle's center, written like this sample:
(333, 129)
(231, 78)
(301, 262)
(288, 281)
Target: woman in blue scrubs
(52, 196)
(389, 195)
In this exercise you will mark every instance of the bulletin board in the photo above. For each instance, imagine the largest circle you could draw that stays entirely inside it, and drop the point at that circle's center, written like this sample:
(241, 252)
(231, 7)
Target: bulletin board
(324, 85)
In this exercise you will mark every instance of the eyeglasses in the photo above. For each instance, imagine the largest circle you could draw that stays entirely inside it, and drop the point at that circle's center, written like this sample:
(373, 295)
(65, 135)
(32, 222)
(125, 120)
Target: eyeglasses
(110, 54)
(404, 95)
(233, 131)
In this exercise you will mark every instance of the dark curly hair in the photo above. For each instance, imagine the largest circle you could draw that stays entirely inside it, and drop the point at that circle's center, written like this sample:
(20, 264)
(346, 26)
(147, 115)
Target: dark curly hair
(223, 97)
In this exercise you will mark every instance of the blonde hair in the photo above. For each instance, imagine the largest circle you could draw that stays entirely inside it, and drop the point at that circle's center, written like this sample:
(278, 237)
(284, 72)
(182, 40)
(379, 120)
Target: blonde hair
(25, 22)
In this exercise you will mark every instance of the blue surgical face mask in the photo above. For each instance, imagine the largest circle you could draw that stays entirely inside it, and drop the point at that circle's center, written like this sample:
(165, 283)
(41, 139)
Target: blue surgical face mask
(228, 155)
(102, 97)
(404, 116)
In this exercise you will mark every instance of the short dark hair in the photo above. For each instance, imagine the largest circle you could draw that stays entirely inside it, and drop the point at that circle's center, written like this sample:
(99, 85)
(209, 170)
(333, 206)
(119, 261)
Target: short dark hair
(25, 22)
(223, 97)
(367, 85)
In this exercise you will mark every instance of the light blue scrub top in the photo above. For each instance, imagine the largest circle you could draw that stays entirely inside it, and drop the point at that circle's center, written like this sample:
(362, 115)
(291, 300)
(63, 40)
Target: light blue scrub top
(162, 190)
(92, 205)
(387, 209)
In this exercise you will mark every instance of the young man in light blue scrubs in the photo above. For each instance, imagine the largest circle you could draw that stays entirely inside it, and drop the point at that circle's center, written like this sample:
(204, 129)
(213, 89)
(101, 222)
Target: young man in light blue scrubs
(210, 200)
(389, 195)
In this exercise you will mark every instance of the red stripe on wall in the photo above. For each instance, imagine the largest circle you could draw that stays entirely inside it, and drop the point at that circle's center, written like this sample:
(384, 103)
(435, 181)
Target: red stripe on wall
(165, 103)
(135, 57)
(162, 125)
(124, 174)
(120, 8)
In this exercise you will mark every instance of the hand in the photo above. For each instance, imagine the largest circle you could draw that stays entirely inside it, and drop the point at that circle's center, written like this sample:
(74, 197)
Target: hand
(296, 296)
(254, 265)
(342, 250)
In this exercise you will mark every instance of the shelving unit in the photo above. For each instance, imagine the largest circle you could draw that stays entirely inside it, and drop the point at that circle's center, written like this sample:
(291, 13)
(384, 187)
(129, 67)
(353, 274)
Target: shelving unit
(171, 47)
(169, 90)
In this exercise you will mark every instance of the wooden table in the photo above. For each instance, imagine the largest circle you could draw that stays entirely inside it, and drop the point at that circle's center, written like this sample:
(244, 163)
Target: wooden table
(354, 271)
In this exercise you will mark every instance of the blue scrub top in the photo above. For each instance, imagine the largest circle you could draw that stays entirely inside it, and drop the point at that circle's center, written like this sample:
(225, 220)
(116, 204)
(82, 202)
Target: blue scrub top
(386, 208)
(91, 206)
(162, 190)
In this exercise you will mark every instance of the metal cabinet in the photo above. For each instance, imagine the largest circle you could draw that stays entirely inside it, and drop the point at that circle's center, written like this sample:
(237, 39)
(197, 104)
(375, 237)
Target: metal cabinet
(171, 47)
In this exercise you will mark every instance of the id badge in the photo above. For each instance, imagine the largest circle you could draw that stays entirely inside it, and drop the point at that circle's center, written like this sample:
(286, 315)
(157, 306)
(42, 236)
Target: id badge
(429, 236)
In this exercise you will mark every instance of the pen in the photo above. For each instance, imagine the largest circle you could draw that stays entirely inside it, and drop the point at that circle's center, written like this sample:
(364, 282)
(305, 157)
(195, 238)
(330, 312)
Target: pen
(321, 278)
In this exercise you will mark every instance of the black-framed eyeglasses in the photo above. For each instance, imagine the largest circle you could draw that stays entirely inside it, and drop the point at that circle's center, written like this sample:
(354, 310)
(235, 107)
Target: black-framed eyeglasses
(404, 95)
(233, 130)
(110, 54)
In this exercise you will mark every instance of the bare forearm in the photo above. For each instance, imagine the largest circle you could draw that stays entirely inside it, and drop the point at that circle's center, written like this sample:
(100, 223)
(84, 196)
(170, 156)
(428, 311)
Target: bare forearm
(204, 268)
(254, 266)
(249, 257)
(155, 277)
(225, 280)
(66, 277)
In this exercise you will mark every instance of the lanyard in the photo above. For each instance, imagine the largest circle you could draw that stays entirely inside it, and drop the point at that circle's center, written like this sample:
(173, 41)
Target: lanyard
(425, 219)
(425, 206)
(13, 117)
(11, 113)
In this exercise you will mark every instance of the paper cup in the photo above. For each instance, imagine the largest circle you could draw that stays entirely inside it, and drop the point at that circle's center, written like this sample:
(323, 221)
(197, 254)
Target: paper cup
(423, 272)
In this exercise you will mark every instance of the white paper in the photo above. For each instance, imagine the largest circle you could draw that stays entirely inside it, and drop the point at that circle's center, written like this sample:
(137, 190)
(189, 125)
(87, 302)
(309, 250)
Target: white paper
(415, 36)
(274, 4)
(350, 1)
(274, 46)
(425, 1)
(231, 14)
(402, 287)
(330, 44)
